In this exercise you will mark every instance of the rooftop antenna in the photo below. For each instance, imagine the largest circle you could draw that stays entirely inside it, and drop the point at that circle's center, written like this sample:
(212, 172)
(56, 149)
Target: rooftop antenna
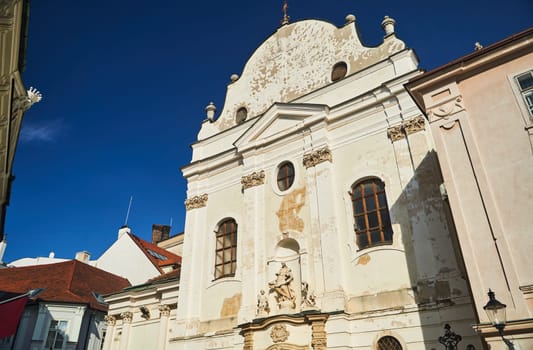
(128, 212)
(171, 221)
(286, 18)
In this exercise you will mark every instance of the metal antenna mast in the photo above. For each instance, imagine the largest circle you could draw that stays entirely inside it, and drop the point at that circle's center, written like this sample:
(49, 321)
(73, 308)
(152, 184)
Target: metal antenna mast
(128, 212)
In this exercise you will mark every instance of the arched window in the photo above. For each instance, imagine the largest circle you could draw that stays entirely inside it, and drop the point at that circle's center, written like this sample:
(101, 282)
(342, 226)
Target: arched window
(241, 114)
(371, 213)
(389, 343)
(226, 249)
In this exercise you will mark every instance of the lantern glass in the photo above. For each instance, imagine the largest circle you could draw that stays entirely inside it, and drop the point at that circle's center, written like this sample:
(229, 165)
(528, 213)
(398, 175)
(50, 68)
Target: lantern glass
(495, 311)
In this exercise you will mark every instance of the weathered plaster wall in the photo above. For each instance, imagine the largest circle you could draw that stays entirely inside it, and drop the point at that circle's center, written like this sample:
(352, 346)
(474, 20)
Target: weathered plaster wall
(295, 60)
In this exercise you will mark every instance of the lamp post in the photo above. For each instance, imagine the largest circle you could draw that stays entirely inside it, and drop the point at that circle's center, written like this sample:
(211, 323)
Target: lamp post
(496, 313)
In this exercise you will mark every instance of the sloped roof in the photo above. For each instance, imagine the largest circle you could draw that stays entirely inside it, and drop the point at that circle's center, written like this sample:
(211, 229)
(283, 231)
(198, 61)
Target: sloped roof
(158, 256)
(68, 282)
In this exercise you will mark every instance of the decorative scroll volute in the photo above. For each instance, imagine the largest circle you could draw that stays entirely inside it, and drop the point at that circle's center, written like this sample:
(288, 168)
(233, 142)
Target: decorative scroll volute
(196, 202)
(446, 109)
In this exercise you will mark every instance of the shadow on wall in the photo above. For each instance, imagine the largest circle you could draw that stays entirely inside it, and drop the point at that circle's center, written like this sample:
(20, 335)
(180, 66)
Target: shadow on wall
(435, 265)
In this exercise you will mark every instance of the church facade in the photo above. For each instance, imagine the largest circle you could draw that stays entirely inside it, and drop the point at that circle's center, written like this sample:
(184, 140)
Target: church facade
(314, 213)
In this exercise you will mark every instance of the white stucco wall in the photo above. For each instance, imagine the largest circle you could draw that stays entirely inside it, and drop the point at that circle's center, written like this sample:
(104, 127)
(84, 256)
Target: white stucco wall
(124, 258)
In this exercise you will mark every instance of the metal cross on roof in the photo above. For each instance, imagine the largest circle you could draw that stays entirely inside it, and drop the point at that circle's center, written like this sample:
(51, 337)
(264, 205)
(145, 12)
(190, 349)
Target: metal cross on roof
(286, 18)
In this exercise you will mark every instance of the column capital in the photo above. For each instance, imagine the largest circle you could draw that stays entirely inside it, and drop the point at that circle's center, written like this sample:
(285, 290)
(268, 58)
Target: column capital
(110, 320)
(127, 316)
(254, 179)
(196, 202)
(318, 156)
(164, 310)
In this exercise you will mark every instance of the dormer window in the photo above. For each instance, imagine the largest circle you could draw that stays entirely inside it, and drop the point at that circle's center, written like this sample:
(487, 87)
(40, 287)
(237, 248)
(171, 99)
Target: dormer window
(339, 71)
(241, 115)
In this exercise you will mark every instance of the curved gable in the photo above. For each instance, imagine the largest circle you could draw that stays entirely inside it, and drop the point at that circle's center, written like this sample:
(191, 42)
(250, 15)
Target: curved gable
(297, 59)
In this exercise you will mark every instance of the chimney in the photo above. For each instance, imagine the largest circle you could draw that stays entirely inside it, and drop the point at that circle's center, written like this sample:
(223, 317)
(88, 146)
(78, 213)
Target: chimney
(160, 233)
(122, 230)
(83, 256)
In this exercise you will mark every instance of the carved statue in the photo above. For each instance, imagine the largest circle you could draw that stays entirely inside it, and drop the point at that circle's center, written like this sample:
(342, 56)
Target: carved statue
(262, 304)
(285, 296)
(308, 298)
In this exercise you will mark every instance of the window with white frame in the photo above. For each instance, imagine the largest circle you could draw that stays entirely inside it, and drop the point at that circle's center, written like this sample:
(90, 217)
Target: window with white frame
(525, 83)
(56, 335)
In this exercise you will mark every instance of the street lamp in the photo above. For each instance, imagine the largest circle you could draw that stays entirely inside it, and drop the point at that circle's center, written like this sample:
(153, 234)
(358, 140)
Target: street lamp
(497, 316)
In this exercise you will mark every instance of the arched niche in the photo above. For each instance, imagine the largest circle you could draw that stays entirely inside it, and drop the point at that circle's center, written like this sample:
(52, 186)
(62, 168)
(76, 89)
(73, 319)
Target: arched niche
(286, 262)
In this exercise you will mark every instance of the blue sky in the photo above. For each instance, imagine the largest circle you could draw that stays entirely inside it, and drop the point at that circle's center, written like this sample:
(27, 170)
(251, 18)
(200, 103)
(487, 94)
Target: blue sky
(125, 84)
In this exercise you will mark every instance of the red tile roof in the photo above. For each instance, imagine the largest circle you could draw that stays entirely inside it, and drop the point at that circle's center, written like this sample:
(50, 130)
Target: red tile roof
(150, 250)
(169, 276)
(68, 282)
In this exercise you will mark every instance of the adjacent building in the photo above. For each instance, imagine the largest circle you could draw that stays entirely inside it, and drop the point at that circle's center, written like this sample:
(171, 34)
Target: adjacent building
(480, 112)
(14, 98)
(69, 313)
(129, 256)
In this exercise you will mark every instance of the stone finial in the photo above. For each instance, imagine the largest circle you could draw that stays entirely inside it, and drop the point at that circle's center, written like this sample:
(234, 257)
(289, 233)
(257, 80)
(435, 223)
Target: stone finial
(388, 25)
(234, 77)
(210, 110)
(350, 18)
(477, 46)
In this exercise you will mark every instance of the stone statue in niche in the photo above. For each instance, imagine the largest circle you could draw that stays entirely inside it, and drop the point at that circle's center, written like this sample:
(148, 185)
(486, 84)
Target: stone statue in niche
(262, 304)
(308, 298)
(285, 295)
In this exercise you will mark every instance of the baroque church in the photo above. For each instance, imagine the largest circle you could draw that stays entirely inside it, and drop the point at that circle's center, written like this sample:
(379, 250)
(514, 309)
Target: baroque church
(312, 219)
(316, 215)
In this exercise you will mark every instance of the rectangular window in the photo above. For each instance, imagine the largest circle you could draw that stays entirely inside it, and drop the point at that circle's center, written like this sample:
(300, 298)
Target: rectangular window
(525, 83)
(56, 335)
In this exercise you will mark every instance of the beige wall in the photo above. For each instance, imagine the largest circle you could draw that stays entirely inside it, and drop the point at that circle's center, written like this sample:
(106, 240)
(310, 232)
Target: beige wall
(483, 138)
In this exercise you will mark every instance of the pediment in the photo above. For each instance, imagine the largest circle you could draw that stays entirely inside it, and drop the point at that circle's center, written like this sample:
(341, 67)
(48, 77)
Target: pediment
(280, 120)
